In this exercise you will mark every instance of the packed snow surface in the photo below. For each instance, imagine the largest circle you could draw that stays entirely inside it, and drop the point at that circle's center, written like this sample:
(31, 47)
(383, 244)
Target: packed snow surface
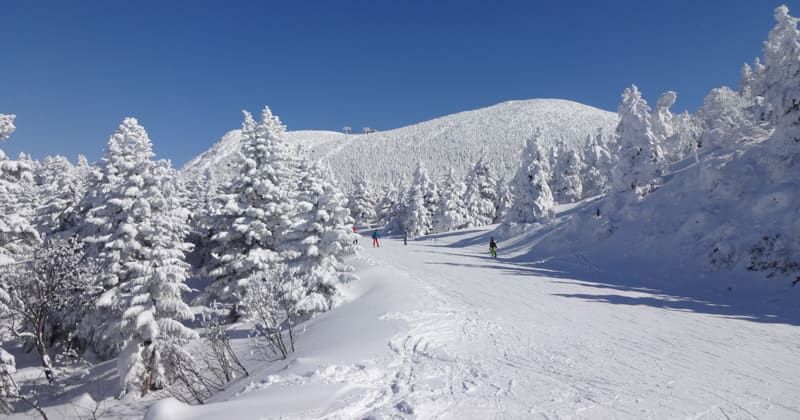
(438, 329)
(455, 141)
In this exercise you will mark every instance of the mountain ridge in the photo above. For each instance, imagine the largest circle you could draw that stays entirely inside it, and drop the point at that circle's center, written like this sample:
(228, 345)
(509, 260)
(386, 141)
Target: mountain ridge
(497, 132)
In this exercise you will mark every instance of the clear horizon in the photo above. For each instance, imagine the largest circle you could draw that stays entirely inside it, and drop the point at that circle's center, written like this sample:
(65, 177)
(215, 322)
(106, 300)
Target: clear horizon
(186, 69)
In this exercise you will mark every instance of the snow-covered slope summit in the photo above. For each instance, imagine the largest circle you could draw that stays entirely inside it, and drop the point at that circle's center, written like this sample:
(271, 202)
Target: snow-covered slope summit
(455, 141)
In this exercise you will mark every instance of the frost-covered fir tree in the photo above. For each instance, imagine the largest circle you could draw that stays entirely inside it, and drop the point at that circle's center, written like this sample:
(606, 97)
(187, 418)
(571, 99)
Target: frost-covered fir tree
(452, 214)
(781, 79)
(481, 197)
(60, 188)
(641, 161)
(386, 209)
(566, 182)
(685, 139)
(505, 200)
(598, 164)
(726, 121)
(319, 237)
(17, 200)
(136, 226)
(7, 126)
(662, 119)
(254, 210)
(533, 200)
(362, 202)
(422, 203)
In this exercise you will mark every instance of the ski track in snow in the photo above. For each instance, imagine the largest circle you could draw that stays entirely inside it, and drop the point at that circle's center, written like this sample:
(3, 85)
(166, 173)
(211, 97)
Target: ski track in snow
(483, 342)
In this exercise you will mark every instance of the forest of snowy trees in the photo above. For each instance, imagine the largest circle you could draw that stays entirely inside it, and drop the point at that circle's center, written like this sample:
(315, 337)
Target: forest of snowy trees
(97, 257)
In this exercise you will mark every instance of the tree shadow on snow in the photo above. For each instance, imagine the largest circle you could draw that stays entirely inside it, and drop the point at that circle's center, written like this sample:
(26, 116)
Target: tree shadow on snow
(635, 282)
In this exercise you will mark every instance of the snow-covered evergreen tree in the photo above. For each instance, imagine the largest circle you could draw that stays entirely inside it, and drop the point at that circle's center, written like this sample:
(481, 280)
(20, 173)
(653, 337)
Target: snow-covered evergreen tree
(505, 200)
(642, 161)
(598, 165)
(566, 181)
(781, 79)
(422, 203)
(662, 119)
(481, 197)
(533, 200)
(320, 235)
(452, 213)
(17, 200)
(362, 202)
(685, 139)
(726, 121)
(60, 187)
(255, 209)
(7, 126)
(135, 226)
(388, 205)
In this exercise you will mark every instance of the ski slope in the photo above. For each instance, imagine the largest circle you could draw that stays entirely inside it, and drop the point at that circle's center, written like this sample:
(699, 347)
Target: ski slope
(436, 329)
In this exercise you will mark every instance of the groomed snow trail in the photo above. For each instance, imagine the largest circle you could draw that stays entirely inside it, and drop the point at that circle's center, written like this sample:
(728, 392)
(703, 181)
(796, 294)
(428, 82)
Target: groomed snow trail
(489, 339)
(436, 330)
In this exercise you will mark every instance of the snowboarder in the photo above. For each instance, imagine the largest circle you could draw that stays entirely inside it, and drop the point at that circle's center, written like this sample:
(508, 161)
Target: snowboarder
(375, 239)
(493, 247)
(405, 237)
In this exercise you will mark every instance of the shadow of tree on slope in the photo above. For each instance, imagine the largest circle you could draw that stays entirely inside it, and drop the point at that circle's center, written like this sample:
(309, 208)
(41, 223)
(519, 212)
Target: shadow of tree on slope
(637, 283)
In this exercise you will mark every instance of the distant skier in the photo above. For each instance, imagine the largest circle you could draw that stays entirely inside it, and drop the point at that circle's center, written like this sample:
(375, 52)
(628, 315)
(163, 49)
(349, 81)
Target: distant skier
(405, 237)
(493, 247)
(375, 239)
(355, 231)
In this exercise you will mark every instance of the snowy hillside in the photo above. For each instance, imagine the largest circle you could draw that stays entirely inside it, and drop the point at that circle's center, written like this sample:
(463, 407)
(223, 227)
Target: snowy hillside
(456, 141)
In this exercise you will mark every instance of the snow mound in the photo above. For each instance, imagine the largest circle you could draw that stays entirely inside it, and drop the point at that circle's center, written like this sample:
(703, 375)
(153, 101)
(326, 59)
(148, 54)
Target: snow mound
(455, 141)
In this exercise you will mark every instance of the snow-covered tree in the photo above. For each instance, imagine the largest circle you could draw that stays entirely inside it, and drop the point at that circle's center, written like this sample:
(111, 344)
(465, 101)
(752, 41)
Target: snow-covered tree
(362, 202)
(598, 164)
(685, 139)
(255, 209)
(319, 236)
(389, 205)
(642, 161)
(452, 214)
(44, 298)
(17, 201)
(7, 126)
(662, 119)
(505, 200)
(8, 387)
(566, 180)
(422, 203)
(533, 200)
(60, 188)
(481, 196)
(135, 227)
(781, 79)
(726, 121)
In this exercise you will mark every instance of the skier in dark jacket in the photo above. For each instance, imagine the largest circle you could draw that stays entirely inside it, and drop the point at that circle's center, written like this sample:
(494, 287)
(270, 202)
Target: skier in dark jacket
(493, 247)
(375, 238)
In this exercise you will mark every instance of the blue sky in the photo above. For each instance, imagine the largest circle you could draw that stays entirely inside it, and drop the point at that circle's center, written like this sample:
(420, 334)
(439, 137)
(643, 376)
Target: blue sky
(71, 70)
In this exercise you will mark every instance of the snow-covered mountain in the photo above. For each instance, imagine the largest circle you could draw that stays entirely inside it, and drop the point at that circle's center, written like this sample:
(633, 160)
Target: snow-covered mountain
(455, 141)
